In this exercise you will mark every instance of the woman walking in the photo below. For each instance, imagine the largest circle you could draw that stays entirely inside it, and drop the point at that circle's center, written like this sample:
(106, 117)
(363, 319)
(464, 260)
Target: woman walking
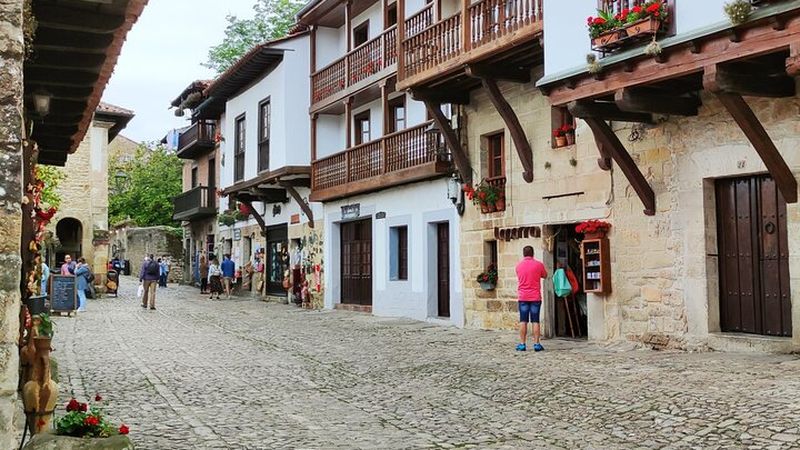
(215, 279)
(203, 275)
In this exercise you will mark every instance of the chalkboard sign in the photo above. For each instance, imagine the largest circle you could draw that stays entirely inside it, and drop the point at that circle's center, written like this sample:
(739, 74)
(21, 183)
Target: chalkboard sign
(64, 294)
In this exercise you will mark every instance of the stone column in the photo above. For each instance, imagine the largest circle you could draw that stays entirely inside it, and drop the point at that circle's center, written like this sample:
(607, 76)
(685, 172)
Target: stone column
(11, 129)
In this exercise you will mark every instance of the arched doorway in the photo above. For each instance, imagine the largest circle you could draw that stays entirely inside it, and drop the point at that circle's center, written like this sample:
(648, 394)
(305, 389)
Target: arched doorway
(70, 235)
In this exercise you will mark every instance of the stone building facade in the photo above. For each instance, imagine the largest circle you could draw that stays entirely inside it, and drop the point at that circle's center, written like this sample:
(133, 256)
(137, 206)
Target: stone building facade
(11, 135)
(81, 224)
(133, 244)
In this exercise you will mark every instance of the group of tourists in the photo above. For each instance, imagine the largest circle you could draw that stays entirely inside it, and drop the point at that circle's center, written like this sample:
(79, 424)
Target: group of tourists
(82, 273)
(216, 277)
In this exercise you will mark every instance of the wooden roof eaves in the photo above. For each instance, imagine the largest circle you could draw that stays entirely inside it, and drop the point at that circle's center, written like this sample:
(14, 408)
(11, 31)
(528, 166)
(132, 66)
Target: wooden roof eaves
(669, 42)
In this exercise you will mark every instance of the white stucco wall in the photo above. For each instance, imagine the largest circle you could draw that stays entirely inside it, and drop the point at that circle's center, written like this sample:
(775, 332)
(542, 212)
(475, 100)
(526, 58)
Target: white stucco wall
(375, 16)
(330, 134)
(416, 297)
(330, 45)
(566, 38)
(375, 119)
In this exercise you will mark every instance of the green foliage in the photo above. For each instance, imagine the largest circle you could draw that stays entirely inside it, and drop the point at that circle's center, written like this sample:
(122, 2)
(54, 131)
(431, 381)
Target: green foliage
(738, 11)
(272, 20)
(75, 424)
(52, 177)
(143, 188)
(46, 325)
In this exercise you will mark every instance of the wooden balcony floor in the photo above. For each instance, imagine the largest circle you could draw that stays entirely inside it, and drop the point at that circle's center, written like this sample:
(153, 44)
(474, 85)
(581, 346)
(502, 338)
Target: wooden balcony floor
(397, 178)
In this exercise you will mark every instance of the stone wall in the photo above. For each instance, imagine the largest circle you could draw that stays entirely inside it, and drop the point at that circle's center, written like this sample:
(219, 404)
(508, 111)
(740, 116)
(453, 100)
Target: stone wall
(664, 267)
(11, 94)
(135, 243)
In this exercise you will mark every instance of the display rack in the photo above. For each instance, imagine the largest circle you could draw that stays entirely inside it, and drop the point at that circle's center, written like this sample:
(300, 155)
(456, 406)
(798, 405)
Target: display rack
(596, 266)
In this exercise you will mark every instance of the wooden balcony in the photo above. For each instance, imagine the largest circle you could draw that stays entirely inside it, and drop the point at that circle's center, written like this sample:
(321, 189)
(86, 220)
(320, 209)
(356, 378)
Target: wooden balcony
(404, 157)
(480, 31)
(194, 204)
(367, 63)
(196, 140)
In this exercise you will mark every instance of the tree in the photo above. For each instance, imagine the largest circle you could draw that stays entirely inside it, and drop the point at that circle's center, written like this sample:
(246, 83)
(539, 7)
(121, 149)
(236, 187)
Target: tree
(52, 177)
(142, 189)
(272, 20)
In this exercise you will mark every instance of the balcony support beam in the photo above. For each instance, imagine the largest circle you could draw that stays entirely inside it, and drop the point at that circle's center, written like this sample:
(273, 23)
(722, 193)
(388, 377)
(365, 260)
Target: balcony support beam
(249, 203)
(455, 97)
(643, 100)
(300, 201)
(460, 157)
(609, 145)
(509, 117)
(738, 108)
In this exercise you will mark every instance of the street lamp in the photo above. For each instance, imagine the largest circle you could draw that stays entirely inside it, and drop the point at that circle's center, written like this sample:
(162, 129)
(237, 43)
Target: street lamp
(41, 102)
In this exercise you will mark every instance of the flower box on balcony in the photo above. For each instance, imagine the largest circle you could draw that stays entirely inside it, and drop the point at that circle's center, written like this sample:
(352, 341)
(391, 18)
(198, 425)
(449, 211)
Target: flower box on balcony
(632, 33)
(628, 26)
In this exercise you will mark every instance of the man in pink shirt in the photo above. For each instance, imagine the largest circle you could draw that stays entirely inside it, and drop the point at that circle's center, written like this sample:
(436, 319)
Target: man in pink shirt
(530, 273)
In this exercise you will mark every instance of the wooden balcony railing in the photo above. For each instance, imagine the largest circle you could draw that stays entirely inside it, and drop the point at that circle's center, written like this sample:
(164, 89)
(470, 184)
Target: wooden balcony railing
(485, 21)
(365, 60)
(195, 139)
(392, 154)
(615, 6)
(195, 203)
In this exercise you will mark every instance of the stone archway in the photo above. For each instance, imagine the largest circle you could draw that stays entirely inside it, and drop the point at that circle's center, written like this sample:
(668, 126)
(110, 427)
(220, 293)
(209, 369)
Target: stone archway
(70, 235)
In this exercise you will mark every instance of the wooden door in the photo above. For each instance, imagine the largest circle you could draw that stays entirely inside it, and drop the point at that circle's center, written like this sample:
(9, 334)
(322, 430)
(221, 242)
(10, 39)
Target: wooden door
(443, 268)
(356, 262)
(753, 257)
(277, 259)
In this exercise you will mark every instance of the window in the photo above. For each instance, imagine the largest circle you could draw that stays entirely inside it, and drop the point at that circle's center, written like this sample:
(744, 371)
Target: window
(496, 155)
(239, 146)
(490, 253)
(210, 243)
(561, 119)
(362, 127)
(361, 34)
(398, 242)
(397, 114)
(264, 112)
(391, 16)
(194, 177)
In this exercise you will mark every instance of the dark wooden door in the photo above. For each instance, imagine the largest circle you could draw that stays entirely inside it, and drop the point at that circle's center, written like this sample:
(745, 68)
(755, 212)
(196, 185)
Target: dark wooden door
(277, 259)
(753, 257)
(356, 264)
(443, 268)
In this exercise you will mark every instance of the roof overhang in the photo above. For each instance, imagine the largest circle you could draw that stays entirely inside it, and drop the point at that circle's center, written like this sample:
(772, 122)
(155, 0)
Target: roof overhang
(276, 179)
(120, 117)
(75, 50)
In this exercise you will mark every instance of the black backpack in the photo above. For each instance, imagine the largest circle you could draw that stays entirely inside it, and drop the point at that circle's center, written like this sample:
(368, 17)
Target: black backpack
(152, 268)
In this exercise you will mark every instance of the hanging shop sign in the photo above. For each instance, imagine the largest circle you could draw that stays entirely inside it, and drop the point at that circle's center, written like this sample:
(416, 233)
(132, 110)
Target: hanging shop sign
(351, 211)
(511, 234)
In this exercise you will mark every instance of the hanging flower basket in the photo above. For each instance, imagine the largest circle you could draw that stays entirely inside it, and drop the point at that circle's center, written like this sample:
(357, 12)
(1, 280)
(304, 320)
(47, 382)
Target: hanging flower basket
(593, 229)
(631, 25)
(488, 279)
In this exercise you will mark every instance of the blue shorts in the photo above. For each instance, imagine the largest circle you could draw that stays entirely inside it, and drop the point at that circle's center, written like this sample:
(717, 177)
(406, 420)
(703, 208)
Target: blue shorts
(529, 311)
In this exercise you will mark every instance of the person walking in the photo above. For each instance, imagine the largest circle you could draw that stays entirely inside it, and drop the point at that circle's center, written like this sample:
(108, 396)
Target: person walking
(530, 273)
(162, 272)
(82, 273)
(203, 275)
(45, 278)
(148, 276)
(68, 268)
(228, 273)
(215, 279)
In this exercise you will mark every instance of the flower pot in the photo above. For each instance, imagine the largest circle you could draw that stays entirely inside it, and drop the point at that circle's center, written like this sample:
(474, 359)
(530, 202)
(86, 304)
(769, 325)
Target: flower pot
(492, 207)
(49, 441)
(605, 39)
(594, 235)
(487, 286)
(37, 304)
(561, 141)
(570, 138)
(484, 208)
(500, 204)
(648, 26)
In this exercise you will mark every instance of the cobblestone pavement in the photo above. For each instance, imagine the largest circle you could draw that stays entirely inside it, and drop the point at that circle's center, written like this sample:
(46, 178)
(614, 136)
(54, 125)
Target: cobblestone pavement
(199, 374)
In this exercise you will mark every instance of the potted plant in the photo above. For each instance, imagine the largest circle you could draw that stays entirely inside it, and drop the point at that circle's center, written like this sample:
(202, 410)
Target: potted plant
(227, 218)
(560, 136)
(85, 426)
(569, 133)
(485, 195)
(593, 229)
(488, 279)
(609, 32)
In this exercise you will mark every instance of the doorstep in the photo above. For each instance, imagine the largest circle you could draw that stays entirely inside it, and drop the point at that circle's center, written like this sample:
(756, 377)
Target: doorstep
(356, 308)
(743, 342)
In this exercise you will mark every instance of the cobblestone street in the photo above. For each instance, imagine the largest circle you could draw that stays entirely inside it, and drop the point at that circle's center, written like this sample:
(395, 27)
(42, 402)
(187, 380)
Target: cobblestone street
(198, 374)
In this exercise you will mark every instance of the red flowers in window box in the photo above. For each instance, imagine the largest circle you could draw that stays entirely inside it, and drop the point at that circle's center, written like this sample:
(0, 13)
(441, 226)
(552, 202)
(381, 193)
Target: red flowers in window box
(607, 29)
(593, 229)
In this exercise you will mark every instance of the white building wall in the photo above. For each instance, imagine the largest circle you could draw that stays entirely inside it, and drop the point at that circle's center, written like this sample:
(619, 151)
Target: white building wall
(416, 297)
(296, 99)
(331, 45)
(330, 134)
(375, 16)
(415, 112)
(566, 37)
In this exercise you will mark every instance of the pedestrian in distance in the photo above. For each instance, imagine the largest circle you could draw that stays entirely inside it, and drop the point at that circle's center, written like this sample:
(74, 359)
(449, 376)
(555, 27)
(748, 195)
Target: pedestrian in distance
(530, 272)
(228, 273)
(203, 275)
(82, 281)
(215, 279)
(68, 268)
(45, 277)
(148, 276)
(163, 271)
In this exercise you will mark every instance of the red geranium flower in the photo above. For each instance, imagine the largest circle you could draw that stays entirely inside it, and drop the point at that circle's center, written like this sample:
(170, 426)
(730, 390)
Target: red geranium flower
(40, 423)
(637, 9)
(97, 398)
(91, 421)
(599, 21)
(123, 429)
(73, 405)
(654, 7)
(84, 407)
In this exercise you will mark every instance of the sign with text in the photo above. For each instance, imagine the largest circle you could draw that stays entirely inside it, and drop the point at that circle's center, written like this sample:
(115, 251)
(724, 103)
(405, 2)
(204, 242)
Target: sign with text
(237, 235)
(64, 295)
(351, 211)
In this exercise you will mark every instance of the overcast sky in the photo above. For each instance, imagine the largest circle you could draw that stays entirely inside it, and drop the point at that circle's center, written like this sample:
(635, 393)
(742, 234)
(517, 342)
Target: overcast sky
(162, 56)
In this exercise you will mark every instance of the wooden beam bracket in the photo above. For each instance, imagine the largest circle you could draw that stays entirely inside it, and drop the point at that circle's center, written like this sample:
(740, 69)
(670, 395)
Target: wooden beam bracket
(606, 111)
(248, 202)
(644, 100)
(460, 157)
(300, 201)
(611, 147)
(458, 97)
(512, 122)
(756, 83)
(499, 72)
